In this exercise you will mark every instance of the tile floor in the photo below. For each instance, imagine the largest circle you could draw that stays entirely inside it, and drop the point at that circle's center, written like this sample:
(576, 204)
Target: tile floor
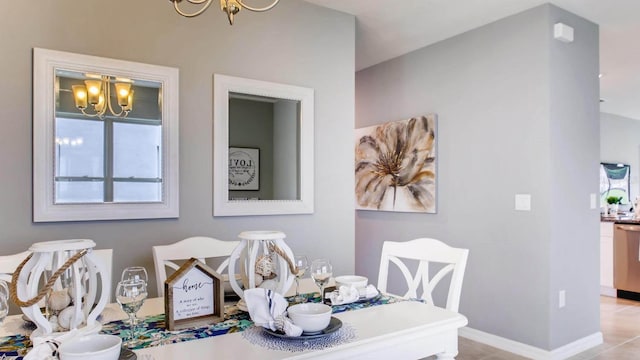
(620, 323)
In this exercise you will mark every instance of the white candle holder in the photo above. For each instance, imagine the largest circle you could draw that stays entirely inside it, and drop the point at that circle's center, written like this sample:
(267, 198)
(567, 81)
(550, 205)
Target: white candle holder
(79, 282)
(256, 258)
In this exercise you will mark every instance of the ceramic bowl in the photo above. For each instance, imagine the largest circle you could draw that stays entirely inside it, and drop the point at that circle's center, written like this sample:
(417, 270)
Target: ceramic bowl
(94, 347)
(358, 282)
(311, 317)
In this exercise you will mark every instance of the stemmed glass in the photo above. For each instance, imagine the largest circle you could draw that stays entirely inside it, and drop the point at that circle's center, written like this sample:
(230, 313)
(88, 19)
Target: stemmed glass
(302, 265)
(4, 296)
(134, 273)
(130, 295)
(321, 272)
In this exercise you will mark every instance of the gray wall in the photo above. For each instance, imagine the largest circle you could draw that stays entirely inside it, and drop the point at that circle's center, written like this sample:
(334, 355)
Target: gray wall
(286, 140)
(499, 128)
(620, 143)
(575, 155)
(295, 43)
(251, 126)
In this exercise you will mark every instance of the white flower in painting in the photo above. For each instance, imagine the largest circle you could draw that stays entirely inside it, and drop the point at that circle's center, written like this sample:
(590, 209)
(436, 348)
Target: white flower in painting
(396, 165)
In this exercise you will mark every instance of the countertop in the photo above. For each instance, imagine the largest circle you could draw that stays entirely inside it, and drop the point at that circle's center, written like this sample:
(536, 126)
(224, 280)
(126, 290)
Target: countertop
(620, 219)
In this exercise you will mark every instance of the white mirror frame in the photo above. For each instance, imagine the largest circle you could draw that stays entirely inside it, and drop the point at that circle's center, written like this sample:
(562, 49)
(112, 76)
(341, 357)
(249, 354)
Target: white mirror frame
(222, 206)
(45, 63)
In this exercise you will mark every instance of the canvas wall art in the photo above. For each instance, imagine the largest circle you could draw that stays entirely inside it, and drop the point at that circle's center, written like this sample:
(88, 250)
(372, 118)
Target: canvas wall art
(395, 166)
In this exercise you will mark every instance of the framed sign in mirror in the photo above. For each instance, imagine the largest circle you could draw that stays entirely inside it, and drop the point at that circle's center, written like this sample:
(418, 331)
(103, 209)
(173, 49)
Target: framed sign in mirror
(244, 169)
(105, 138)
(278, 120)
(193, 296)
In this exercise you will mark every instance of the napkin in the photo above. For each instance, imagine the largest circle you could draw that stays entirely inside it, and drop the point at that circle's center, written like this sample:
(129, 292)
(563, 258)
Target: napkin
(349, 294)
(48, 350)
(268, 309)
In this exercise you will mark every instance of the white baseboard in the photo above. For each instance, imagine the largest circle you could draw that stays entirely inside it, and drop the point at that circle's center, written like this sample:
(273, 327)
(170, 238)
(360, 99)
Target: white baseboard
(529, 351)
(608, 291)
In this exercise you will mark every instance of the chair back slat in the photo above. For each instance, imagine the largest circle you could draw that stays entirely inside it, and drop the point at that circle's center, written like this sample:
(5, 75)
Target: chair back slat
(200, 247)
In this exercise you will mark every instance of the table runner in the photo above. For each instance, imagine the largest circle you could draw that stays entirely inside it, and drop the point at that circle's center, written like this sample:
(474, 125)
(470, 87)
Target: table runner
(151, 330)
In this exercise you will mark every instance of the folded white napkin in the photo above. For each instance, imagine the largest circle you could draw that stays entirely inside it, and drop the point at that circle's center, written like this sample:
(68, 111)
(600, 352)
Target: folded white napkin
(48, 350)
(349, 294)
(267, 308)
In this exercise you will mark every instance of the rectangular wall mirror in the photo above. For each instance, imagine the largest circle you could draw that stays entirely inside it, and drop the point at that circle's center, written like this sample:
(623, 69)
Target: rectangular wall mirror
(105, 138)
(263, 147)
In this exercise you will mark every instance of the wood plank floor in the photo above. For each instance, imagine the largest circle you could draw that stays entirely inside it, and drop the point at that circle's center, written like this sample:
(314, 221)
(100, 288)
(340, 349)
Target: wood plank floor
(620, 324)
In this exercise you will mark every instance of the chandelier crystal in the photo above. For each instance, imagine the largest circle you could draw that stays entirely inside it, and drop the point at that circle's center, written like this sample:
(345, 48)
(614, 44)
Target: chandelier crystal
(230, 7)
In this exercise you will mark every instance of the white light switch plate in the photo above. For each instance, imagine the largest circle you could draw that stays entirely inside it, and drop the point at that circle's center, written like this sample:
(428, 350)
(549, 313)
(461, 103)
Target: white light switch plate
(592, 201)
(523, 202)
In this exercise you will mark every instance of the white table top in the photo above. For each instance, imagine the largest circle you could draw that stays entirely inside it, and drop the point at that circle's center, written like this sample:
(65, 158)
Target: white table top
(404, 330)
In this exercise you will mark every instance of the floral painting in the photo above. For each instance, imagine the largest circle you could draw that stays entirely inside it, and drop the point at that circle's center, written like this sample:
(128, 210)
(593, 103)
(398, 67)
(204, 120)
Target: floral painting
(395, 166)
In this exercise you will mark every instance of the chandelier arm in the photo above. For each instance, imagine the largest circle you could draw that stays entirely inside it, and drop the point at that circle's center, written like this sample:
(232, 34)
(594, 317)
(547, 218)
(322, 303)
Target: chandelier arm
(206, 5)
(268, 7)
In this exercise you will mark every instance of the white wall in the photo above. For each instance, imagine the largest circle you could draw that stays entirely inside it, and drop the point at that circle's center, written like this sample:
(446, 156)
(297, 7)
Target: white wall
(295, 43)
(620, 143)
(499, 128)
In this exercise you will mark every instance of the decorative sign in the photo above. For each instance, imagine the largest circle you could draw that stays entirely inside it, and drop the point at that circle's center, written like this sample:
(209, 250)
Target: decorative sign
(244, 169)
(193, 296)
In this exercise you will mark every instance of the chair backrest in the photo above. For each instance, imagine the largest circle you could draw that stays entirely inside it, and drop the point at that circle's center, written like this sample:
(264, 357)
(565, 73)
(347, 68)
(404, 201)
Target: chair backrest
(106, 256)
(425, 251)
(199, 247)
(9, 263)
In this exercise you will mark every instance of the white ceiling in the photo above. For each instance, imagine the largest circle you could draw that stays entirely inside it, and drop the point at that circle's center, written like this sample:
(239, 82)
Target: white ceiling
(389, 28)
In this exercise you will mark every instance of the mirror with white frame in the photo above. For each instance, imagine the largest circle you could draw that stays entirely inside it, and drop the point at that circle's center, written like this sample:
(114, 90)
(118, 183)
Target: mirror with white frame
(105, 138)
(263, 147)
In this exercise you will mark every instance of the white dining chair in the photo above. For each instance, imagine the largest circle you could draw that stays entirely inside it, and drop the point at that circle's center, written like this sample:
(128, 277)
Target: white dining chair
(9, 263)
(106, 256)
(199, 247)
(425, 251)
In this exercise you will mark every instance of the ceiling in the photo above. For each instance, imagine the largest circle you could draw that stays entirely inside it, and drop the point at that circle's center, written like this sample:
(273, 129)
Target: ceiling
(387, 28)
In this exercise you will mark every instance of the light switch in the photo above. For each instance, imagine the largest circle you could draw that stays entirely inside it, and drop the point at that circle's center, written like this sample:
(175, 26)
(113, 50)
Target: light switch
(592, 201)
(523, 202)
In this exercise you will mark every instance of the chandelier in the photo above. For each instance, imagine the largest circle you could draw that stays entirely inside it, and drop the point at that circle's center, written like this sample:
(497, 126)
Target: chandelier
(97, 93)
(231, 7)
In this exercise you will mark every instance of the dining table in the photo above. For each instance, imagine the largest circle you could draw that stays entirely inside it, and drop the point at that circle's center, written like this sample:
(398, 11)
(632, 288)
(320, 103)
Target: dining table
(388, 327)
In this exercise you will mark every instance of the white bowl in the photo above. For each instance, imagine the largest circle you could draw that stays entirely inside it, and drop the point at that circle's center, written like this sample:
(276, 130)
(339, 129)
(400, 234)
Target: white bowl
(358, 282)
(94, 347)
(311, 317)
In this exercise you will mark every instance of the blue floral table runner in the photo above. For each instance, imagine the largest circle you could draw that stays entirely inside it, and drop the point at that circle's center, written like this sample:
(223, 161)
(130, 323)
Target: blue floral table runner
(151, 330)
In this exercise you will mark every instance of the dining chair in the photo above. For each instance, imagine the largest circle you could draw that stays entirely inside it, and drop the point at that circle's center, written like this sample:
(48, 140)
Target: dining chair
(425, 251)
(9, 263)
(106, 256)
(199, 247)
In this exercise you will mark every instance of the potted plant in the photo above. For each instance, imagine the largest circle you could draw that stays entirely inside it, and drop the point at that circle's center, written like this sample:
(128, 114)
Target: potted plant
(613, 202)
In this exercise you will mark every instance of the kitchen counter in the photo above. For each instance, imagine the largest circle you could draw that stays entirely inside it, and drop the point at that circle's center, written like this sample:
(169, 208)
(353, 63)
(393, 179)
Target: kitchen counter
(621, 219)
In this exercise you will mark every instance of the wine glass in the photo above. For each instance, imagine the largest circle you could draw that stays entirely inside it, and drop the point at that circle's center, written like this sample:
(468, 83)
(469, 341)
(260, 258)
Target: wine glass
(321, 271)
(130, 295)
(134, 273)
(4, 296)
(302, 265)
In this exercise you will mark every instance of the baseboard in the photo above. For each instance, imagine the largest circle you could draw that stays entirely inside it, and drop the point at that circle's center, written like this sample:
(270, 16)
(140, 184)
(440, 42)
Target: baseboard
(529, 351)
(608, 291)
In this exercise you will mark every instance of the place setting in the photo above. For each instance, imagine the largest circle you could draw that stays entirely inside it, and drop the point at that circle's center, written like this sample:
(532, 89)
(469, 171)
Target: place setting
(306, 322)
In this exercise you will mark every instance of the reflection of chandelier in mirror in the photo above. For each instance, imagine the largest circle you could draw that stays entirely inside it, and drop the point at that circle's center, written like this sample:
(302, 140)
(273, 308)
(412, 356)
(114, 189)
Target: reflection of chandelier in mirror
(231, 7)
(97, 93)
